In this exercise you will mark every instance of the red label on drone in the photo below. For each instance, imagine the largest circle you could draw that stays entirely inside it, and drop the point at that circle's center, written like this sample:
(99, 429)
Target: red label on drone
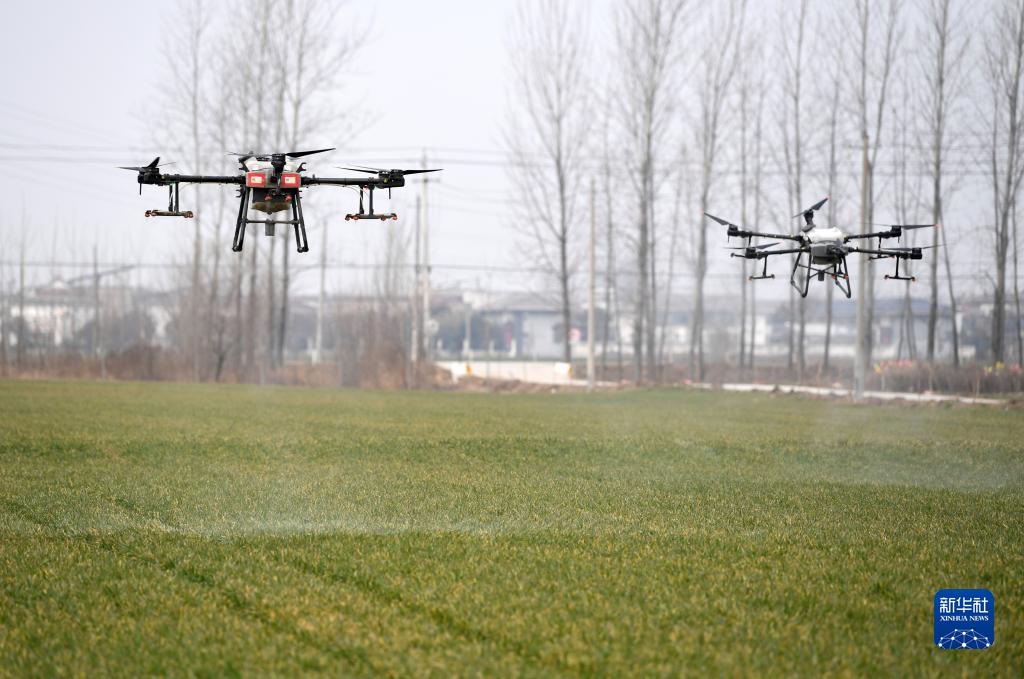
(290, 180)
(255, 179)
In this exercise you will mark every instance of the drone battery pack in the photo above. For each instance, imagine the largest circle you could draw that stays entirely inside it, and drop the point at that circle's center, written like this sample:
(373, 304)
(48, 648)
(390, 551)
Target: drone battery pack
(290, 180)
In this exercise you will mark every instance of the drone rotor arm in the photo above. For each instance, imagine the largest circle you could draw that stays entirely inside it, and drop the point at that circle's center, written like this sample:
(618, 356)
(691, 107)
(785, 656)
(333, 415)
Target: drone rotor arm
(737, 231)
(787, 251)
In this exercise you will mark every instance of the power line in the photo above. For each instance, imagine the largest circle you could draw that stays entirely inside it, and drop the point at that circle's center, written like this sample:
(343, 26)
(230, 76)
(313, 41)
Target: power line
(363, 266)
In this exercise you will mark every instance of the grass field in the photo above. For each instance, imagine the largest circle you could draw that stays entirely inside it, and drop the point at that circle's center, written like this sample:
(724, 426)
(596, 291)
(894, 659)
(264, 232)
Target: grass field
(156, 528)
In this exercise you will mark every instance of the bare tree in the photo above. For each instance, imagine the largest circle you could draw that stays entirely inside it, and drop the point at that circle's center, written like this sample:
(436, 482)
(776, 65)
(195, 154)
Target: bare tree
(216, 318)
(750, 73)
(945, 46)
(1004, 56)
(392, 319)
(1016, 288)
(646, 35)
(906, 200)
(873, 63)
(834, 110)
(793, 155)
(182, 108)
(758, 179)
(547, 134)
(611, 294)
(259, 14)
(718, 66)
(315, 56)
(670, 275)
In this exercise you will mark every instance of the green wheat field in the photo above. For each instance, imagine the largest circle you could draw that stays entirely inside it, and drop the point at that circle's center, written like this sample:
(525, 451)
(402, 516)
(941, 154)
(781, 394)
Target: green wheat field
(222, 530)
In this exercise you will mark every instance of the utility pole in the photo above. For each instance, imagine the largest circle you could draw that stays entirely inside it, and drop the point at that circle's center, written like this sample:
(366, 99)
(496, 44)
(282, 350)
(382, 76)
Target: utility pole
(3, 322)
(20, 354)
(417, 295)
(97, 328)
(591, 291)
(319, 347)
(467, 342)
(859, 367)
(425, 315)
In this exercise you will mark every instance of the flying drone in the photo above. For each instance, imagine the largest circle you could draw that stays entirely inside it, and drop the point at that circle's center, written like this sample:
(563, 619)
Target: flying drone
(822, 251)
(272, 183)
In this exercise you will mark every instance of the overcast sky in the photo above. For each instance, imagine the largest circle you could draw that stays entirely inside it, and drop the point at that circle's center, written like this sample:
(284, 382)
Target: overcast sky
(81, 77)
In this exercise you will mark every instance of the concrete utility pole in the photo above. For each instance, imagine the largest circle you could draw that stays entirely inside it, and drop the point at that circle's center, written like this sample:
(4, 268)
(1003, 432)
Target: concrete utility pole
(319, 346)
(859, 367)
(467, 342)
(3, 322)
(591, 292)
(417, 292)
(97, 328)
(20, 353)
(426, 266)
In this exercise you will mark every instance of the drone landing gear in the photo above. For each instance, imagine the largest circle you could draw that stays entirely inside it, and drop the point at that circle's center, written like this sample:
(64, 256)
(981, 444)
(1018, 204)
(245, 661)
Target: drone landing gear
(807, 277)
(764, 273)
(369, 215)
(172, 206)
(187, 214)
(383, 217)
(269, 225)
(841, 277)
(897, 276)
(837, 271)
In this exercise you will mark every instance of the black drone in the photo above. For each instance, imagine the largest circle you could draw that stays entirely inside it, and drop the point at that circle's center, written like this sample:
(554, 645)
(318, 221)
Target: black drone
(270, 183)
(825, 248)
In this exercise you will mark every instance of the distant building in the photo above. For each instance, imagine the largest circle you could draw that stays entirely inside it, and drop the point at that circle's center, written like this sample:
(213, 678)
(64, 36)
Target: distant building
(519, 326)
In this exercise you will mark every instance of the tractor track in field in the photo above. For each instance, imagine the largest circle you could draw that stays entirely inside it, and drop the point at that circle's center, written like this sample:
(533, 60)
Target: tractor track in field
(439, 617)
(24, 513)
(248, 608)
(239, 604)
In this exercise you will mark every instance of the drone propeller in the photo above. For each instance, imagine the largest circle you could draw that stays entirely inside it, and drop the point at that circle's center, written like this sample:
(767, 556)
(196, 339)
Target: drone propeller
(813, 208)
(808, 214)
(387, 176)
(722, 221)
(152, 167)
(290, 154)
(300, 154)
(377, 170)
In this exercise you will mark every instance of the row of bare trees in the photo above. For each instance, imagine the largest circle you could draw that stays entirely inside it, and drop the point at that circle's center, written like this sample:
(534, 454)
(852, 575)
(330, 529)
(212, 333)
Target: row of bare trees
(725, 107)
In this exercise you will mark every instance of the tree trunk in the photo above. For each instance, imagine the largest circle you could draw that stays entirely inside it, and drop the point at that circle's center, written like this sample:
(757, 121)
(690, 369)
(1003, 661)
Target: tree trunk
(642, 255)
(271, 347)
(952, 299)
(1016, 290)
(652, 302)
